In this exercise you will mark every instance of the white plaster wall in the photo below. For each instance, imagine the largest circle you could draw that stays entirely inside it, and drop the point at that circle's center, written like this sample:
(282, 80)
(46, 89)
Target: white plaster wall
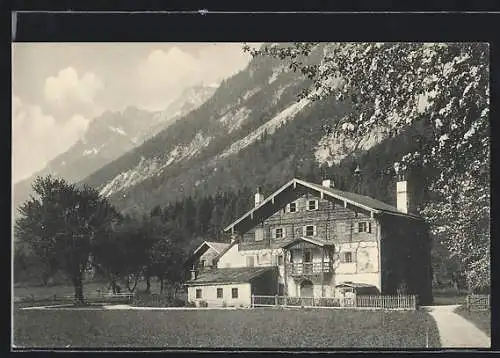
(231, 258)
(366, 258)
(293, 288)
(209, 294)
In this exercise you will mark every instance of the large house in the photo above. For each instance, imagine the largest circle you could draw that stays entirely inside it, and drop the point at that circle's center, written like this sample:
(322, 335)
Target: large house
(309, 239)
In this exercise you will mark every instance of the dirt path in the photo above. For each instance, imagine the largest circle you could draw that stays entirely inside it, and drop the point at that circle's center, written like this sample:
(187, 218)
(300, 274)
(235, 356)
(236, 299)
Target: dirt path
(455, 331)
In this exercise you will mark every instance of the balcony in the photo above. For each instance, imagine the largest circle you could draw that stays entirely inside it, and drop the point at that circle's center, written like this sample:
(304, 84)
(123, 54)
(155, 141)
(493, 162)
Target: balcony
(309, 268)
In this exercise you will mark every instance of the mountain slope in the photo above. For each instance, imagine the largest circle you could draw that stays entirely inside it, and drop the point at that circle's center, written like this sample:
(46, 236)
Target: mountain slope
(113, 134)
(252, 130)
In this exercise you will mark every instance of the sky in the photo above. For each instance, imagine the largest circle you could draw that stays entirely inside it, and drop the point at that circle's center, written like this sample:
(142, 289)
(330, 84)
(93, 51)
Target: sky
(59, 88)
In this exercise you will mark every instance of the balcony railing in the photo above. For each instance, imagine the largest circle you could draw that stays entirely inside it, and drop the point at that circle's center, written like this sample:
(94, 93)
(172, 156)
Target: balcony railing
(309, 268)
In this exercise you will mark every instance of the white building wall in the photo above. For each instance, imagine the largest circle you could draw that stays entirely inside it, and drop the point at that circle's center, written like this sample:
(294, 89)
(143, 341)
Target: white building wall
(231, 258)
(209, 295)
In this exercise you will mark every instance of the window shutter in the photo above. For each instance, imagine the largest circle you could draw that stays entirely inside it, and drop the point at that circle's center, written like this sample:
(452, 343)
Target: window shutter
(369, 227)
(354, 256)
(342, 257)
(303, 231)
(314, 230)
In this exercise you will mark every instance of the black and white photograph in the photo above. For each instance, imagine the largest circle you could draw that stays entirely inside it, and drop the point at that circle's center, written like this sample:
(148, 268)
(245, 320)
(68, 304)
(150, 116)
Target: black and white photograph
(260, 195)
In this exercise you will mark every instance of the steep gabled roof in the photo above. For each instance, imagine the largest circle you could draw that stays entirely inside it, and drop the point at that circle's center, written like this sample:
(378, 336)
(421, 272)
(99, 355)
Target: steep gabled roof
(364, 202)
(217, 246)
(229, 275)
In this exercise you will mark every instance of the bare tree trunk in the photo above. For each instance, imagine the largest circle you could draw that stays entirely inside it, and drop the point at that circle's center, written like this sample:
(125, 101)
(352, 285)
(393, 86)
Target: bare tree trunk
(78, 285)
(176, 287)
(112, 283)
(136, 279)
(148, 283)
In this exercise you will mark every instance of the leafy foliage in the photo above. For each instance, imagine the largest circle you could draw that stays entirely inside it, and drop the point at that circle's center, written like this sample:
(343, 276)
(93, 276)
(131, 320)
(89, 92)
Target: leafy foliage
(61, 224)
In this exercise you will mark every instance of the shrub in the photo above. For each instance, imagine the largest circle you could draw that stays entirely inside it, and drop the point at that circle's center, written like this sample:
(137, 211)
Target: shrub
(203, 303)
(224, 304)
(190, 304)
(176, 302)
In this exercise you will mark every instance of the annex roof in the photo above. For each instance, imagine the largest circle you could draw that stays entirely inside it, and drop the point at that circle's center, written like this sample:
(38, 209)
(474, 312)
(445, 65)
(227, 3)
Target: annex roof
(229, 275)
(362, 201)
(217, 246)
(354, 285)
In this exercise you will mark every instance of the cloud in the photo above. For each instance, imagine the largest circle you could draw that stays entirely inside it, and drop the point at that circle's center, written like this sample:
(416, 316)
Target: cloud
(68, 86)
(68, 94)
(38, 138)
(163, 75)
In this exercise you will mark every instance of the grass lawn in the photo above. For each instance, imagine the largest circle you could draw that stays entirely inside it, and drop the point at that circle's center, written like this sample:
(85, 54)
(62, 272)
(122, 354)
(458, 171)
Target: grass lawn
(481, 319)
(257, 328)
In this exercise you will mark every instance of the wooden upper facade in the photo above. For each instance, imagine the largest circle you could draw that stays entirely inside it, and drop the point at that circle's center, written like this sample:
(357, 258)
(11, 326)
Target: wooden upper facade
(303, 209)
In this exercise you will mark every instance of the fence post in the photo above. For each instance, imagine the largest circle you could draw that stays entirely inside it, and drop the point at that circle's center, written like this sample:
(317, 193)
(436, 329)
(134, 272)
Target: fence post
(468, 302)
(253, 300)
(284, 300)
(275, 300)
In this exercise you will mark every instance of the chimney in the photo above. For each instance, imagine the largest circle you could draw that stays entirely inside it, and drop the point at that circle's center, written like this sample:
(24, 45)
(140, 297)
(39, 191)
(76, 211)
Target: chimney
(402, 200)
(402, 196)
(328, 183)
(193, 274)
(259, 197)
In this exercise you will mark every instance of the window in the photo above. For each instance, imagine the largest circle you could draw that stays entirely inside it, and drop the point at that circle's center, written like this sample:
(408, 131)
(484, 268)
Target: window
(309, 230)
(280, 260)
(292, 207)
(202, 264)
(198, 293)
(278, 233)
(312, 205)
(347, 257)
(259, 234)
(219, 292)
(250, 261)
(234, 292)
(364, 227)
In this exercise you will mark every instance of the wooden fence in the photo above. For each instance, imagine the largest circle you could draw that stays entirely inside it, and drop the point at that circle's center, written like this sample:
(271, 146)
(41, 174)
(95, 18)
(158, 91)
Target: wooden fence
(407, 302)
(396, 302)
(88, 297)
(478, 302)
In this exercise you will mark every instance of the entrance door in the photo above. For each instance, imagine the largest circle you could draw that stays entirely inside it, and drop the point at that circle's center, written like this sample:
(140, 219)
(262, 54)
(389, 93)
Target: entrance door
(306, 289)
